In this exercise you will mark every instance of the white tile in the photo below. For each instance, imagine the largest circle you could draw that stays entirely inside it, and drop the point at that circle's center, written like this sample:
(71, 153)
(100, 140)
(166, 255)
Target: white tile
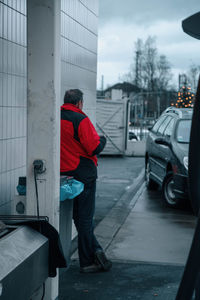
(5, 56)
(23, 7)
(24, 87)
(10, 2)
(8, 189)
(4, 89)
(1, 51)
(9, 123)
(3, 189)
(9, 90)
(1, 155)
(1, 89)
(8, 155)
(5, 22)
(1, 19)
(9, 57)
(4, 120)
(14, 27)
(1, 123)
(19, 5)
(9, 30)
(4, 156)
(13, 122)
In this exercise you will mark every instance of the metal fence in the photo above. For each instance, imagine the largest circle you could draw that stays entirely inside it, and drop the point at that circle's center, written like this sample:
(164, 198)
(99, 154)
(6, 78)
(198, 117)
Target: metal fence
(139, 123)
(138, 133)
(145, 109)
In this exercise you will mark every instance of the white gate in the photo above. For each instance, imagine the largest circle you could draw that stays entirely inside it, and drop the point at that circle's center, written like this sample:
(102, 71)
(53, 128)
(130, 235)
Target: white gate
(112, 118)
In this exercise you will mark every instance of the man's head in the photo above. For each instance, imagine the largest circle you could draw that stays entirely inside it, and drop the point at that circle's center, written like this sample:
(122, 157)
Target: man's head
(75, 97)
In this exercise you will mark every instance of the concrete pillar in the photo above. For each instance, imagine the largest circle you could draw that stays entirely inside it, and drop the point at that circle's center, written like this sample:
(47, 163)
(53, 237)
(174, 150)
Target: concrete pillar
(43, 112)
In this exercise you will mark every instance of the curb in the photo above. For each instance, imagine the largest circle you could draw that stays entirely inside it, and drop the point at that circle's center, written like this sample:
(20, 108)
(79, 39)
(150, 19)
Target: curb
(107, 229)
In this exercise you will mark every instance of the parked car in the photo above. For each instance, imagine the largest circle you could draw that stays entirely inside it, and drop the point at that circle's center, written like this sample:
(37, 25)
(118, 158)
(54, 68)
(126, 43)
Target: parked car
(166, 160)
(132, 136)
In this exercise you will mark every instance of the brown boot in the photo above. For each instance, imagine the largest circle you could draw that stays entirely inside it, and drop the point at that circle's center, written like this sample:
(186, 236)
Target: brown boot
(101, 259)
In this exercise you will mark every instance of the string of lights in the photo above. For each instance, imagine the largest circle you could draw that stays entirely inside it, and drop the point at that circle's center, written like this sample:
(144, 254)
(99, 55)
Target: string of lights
(185, 98)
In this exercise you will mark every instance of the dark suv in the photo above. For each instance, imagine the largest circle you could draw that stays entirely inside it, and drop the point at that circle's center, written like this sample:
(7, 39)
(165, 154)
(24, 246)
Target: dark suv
(166, 160)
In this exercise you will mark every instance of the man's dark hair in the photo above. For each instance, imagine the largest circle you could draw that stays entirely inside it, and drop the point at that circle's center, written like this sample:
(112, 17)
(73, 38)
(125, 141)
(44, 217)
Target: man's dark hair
(73, 96)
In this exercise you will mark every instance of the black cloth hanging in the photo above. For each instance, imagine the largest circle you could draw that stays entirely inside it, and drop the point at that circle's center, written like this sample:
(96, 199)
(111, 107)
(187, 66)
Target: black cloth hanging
(56, 256)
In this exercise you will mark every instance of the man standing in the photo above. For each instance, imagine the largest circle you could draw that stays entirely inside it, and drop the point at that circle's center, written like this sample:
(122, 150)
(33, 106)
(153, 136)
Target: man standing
(80, 144)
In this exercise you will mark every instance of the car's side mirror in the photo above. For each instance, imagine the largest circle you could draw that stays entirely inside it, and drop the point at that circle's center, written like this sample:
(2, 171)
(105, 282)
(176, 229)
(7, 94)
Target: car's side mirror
(163, 142)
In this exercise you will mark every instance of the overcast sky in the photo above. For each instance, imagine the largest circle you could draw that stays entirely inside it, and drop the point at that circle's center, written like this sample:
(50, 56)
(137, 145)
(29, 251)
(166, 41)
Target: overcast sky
(122, 22)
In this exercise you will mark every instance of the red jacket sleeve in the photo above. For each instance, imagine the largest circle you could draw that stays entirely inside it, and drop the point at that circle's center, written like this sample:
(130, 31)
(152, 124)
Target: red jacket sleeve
(89, 138)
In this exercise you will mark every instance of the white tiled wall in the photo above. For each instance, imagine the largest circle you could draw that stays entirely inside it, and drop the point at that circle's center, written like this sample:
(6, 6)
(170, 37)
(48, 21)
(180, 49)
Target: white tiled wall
(78, 70)
(79, 49)
(12, 98)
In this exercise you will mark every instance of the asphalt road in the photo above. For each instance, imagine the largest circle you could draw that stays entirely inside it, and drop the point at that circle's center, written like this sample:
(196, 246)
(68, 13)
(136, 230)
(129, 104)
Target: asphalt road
(115, 176)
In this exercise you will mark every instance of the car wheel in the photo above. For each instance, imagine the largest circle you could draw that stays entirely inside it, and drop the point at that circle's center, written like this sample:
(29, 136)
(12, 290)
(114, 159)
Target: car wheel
(167, 191)
(150, 184)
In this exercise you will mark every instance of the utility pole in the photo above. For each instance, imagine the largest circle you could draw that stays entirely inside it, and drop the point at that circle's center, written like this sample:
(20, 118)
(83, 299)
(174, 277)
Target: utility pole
(102, 84)
(158, 106)
(182, 80)
(137, 68)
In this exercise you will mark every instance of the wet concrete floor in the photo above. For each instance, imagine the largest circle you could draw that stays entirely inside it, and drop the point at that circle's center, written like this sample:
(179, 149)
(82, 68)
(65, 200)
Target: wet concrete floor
(154, 233)
(148, 244)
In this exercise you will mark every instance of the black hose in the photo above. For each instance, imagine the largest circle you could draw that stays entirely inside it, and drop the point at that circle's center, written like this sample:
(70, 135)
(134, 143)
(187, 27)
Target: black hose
(36, 191)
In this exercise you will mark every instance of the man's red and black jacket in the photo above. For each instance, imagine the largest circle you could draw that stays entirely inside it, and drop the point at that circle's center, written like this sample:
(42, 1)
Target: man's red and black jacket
(79, 145)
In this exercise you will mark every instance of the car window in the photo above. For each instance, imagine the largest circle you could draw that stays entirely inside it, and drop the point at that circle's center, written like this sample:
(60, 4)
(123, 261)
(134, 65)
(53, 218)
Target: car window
(164, 125)
(169, 128)
(158, 123)
(183, 131)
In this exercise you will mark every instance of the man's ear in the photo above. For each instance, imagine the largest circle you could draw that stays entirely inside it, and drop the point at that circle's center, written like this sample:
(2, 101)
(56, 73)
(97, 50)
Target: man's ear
(80, 104)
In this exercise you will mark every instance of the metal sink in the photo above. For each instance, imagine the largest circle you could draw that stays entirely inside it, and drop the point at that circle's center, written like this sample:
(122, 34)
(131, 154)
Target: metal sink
(23, 262)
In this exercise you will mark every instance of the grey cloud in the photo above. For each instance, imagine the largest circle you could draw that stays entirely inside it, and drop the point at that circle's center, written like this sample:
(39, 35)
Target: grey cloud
(145, 11)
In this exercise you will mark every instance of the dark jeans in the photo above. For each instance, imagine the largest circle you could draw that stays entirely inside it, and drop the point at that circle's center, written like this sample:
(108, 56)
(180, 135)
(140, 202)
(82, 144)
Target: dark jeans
(83, 212)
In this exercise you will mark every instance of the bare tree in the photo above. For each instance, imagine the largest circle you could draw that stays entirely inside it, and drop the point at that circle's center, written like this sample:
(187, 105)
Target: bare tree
(164, 74)
(137, 66)
(149, 64)
(149, 70)
(193, 76)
